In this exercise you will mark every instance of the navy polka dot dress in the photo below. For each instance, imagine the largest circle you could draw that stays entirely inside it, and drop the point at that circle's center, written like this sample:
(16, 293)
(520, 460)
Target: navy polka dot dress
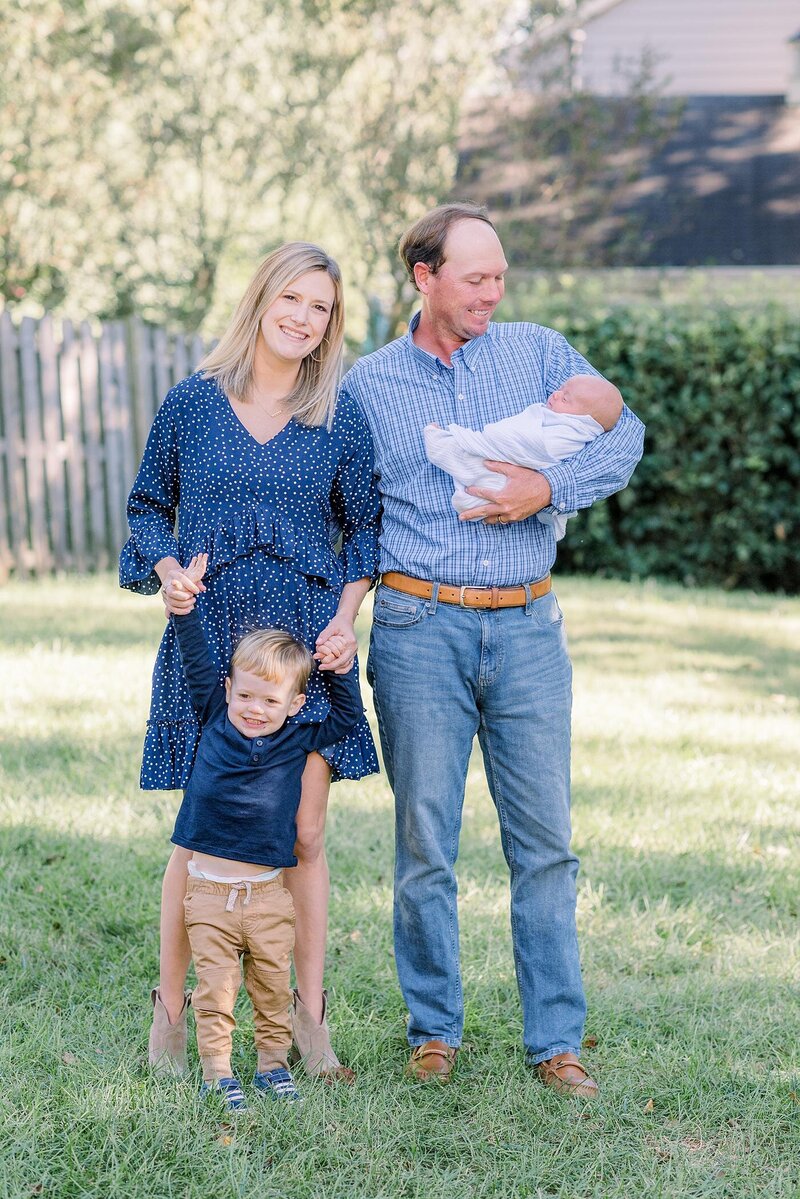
(265, 515)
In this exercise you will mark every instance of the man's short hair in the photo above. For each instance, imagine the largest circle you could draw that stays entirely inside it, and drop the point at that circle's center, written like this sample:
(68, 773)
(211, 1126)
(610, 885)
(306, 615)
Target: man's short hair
(274, 655)
(424, 241)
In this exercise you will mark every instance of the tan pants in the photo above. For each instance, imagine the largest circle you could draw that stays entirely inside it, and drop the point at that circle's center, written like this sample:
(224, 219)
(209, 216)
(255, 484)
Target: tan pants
(255, 921)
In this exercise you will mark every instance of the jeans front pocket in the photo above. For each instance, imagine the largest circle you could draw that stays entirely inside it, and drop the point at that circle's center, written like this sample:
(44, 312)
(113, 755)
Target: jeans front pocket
(546, 611)
(397, 610)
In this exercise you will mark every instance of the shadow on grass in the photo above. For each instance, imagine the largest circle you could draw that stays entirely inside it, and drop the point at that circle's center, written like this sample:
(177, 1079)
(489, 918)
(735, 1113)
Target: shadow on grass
(79, 932)
(81, 615)
(83, 764)
(752, 892)
(82, 632)
(697, 747)
(756, 665)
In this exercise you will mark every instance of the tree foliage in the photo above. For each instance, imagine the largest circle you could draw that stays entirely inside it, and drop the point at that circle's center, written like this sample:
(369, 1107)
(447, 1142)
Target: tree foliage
(152, 150)
(144, 144)
(157, 134)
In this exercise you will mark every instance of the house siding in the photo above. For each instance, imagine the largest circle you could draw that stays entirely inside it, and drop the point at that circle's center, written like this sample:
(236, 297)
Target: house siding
(702, 47)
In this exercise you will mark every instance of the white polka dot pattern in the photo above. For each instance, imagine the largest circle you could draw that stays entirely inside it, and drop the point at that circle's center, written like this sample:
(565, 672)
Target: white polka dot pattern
(267, 516)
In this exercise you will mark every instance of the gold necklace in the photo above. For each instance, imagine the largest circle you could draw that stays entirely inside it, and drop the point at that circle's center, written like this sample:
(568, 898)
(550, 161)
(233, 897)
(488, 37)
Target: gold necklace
(279, 411)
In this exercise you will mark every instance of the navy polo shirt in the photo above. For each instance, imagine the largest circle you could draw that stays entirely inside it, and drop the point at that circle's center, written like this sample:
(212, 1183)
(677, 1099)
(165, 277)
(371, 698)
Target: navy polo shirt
(242, 798)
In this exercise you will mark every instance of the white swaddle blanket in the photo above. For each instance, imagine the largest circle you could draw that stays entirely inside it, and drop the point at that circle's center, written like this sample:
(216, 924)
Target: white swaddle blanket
(537, 437)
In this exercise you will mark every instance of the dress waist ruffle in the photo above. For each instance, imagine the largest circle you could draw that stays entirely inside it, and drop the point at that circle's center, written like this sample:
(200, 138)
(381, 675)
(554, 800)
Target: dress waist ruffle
(258, 528)
(169, 750)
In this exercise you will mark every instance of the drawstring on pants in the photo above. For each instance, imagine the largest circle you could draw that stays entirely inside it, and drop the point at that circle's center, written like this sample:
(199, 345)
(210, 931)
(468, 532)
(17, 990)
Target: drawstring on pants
(243, 885)
(236, 884)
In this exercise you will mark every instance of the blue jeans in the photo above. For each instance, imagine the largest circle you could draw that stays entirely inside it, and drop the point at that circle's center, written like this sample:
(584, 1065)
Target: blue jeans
(440, 674)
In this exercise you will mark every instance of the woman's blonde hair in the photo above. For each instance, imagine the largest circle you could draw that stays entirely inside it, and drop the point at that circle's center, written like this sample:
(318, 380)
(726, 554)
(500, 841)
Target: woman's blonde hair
(274, 655)
(230, 363)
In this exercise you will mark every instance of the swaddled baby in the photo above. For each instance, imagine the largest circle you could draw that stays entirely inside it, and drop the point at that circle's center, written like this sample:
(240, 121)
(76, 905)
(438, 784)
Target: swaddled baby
(540, 436)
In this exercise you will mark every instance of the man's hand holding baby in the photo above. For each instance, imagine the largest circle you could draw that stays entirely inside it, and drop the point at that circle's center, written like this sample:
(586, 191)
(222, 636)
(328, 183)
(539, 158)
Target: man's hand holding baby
(526, 492)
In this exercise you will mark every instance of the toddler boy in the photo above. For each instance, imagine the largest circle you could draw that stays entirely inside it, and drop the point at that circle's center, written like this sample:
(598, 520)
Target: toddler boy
(238, 817)
(539, 436)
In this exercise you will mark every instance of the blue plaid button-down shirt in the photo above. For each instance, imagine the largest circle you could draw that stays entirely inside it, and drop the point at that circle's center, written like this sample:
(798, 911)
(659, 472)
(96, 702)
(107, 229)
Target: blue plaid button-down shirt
(401, 388)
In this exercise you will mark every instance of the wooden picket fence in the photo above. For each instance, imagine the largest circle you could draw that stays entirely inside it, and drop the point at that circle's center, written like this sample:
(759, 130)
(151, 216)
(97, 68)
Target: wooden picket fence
(75, 409)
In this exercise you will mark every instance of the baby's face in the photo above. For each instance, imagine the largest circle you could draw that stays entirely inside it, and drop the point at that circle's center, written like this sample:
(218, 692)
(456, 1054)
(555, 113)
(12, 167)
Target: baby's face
(588, 395)
(573, 397)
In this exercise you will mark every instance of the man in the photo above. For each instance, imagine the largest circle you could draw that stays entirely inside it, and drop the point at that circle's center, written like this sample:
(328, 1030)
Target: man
(468, 638)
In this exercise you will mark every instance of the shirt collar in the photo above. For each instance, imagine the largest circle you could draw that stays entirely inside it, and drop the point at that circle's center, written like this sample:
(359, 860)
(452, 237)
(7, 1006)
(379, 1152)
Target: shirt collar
(469, 353)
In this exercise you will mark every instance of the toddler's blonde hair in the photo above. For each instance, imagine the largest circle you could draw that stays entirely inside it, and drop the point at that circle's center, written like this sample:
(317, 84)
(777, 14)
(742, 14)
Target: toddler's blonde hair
(274, 655)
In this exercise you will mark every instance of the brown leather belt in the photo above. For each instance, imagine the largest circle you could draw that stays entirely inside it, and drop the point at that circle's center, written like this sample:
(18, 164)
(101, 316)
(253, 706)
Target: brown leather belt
(467, 597)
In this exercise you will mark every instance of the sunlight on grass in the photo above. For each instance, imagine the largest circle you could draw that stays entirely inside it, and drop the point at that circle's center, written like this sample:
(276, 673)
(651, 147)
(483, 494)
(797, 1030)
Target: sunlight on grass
(687, 722)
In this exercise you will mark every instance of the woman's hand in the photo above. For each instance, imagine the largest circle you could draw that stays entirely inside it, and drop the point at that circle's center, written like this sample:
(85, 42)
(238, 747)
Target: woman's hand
(337, 645)
(181, 585)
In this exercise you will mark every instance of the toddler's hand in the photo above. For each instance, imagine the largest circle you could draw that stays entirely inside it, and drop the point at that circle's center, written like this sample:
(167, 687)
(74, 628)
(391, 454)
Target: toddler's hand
(334, 649)
(336, 645)
(182, 586)
(197, 568)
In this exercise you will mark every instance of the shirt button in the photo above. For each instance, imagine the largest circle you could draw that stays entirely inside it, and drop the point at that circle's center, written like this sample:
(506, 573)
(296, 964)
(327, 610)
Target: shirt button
(460, 395)
(259, 742)
(486, 562)
(256, 757)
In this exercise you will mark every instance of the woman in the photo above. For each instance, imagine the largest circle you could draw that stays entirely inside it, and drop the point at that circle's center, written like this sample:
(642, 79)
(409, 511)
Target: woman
(262, 468)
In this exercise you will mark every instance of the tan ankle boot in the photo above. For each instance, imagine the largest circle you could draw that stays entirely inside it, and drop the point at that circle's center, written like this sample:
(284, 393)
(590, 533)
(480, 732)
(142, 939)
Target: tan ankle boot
(313, 1043)
(167, 1047)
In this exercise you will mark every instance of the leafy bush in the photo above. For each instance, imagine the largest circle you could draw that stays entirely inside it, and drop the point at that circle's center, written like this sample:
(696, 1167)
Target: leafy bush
(716, 498)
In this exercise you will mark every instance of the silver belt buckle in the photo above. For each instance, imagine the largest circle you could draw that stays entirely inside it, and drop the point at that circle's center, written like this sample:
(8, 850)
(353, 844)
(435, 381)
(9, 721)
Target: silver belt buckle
(461, 591)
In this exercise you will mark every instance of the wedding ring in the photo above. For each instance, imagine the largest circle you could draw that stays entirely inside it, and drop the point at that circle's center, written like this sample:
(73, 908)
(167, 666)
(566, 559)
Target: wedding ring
(500, 521)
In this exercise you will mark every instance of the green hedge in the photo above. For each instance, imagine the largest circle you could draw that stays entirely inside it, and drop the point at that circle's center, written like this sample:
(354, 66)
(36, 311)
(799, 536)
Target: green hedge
(716, 498)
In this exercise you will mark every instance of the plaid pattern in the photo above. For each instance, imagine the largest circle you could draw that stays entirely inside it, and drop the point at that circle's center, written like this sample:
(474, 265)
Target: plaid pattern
(401, 388)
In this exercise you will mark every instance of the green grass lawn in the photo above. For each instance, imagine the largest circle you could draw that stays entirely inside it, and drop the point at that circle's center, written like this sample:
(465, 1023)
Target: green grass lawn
(687, 727)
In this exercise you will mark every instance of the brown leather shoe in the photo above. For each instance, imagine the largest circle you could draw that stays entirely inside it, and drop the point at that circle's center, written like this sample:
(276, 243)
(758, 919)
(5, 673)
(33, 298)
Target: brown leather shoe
(431, 1060)
(564, 1072)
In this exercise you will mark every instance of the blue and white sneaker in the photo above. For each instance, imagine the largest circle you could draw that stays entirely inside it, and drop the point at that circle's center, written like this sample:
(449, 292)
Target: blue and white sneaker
(278, 1084)
(229, 1092)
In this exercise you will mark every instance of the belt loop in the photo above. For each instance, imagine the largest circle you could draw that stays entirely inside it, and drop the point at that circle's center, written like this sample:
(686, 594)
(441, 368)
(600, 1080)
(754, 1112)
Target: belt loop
(433, 601)
(528, 599)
